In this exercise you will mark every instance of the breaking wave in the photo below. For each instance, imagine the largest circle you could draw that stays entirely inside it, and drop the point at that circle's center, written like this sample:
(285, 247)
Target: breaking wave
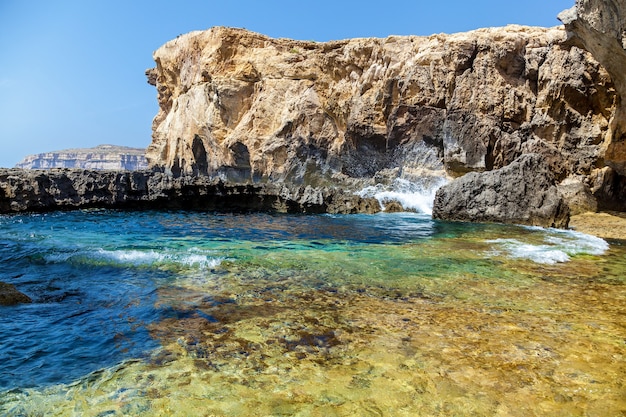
(557, 246)
(413, 196)
(137, 258)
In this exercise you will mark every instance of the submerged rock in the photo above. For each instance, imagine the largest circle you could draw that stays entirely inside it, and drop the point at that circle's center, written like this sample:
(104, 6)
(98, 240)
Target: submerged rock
(523, 192)
(9, 295)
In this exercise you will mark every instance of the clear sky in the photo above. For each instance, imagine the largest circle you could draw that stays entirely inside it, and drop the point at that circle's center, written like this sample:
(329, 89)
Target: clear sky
(72, 71)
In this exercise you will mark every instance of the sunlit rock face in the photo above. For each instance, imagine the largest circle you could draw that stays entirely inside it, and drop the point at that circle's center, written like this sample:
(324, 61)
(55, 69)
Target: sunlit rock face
(102, 157)
(599, 26)
(248, 107)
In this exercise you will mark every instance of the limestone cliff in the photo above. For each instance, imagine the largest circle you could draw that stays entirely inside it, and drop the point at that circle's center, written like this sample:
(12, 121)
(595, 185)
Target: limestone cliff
(599, 26)
(248, 107)
(102, 157)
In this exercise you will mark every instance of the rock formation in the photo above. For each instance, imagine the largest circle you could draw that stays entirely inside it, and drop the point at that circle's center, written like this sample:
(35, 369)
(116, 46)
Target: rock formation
(599, 26)
(247, 107)
(104, 157)
(523, 192)
(250, 122)
(66, 189)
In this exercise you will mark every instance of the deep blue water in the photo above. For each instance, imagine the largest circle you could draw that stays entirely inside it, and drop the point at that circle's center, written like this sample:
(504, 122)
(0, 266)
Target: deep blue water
(94, 276)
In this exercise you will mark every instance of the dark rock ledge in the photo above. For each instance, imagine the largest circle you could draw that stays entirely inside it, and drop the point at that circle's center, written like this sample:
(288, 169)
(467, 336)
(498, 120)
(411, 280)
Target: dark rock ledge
(69, 189)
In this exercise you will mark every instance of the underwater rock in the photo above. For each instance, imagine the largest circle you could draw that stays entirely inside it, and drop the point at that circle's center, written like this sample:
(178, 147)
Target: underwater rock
(524, 192)
(9, 295)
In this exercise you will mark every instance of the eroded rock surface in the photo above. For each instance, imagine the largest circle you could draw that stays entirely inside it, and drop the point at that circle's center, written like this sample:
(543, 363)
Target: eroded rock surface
(599, 26)
(524, 192)
(251, 108)
(66, 189)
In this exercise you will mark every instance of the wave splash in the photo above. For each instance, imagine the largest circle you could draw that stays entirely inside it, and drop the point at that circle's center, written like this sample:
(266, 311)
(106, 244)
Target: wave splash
(140, 258)
(415, 196)
(558, 246)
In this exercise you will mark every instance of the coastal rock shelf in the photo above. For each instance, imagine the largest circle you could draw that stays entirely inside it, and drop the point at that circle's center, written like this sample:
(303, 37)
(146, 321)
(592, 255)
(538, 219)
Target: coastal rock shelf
(66, 189)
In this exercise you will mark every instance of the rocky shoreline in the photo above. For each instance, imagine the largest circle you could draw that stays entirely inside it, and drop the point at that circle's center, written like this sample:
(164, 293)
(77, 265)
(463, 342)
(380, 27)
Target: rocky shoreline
(67, 189)
(529, 122)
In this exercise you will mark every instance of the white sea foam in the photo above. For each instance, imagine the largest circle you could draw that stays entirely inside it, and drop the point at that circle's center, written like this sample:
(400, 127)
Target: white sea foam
(133, 257)
(577, 242)
(557, 246)
(412, 195)
(544, 254)
(152, 257)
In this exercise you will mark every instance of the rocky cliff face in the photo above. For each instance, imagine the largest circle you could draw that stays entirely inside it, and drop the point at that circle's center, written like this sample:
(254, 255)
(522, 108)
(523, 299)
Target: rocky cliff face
(102, 157)
(599, 26)
(248, 107)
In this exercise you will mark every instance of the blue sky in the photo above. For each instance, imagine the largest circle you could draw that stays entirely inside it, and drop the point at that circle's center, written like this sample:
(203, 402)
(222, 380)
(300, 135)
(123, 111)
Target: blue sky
(72, 72)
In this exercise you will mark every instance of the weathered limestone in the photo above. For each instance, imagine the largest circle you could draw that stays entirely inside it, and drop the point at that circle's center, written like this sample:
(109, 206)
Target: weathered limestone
(599, 26)
(247, 107)
(523, 192)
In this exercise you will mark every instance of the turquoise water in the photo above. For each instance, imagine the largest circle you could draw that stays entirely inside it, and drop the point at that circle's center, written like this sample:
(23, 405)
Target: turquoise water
(138, 313)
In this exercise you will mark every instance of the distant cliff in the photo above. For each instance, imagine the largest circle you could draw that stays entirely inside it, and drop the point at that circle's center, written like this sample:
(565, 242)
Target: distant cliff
(102, 157)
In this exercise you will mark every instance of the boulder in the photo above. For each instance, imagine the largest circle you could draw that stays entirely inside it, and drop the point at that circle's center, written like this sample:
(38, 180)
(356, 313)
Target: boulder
(578, 196)
(524, 192)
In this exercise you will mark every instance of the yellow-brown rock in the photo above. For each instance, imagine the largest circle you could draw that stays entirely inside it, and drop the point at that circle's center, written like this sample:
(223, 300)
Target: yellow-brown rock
(248, 107)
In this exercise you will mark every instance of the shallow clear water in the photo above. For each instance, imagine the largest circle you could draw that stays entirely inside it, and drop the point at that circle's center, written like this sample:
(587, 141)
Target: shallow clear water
(186, 313)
